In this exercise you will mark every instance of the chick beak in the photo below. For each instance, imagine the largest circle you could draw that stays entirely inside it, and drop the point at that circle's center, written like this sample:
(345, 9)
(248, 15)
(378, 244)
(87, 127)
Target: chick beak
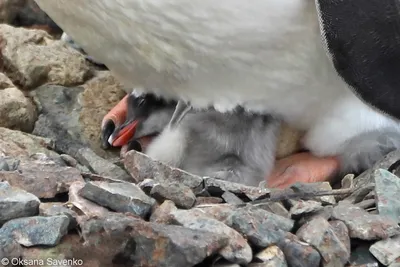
(123, 134)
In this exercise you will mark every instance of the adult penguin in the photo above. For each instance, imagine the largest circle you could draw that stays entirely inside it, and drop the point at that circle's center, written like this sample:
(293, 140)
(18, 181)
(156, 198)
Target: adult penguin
(266, 56)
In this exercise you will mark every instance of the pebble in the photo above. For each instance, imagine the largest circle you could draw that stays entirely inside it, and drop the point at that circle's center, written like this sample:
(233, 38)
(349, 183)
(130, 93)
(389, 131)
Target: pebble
(181, 195)
(270, 257)
(53, 209)
(163, 213)
(231, 198)
(361, 257)
(208, 200)
(301, 207)
(387, 190)
(37, 230)
(342, 233)
(386, 251)
(16, 203)
(274, 207)
(121, 197)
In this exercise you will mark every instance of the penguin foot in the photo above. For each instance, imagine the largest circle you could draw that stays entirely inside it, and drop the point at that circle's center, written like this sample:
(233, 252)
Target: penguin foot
(303, 167)
(114, 118)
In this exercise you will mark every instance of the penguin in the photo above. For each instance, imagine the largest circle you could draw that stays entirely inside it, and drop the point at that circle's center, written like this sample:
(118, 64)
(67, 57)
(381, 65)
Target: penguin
(235, 146)
(324, 67)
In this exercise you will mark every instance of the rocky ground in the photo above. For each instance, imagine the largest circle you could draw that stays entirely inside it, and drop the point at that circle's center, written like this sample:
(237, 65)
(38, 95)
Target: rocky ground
(64, 201)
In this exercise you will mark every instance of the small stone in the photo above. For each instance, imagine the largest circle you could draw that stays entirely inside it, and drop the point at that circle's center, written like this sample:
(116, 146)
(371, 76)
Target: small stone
(217, 187)
(218, 264)
(180, 194)
(320, 234)
(386, 251)
(387, 190)
(363, 225)
(262, 228)
(237, 250)
(37, 230)
(121, 197)
(207, 200)
(325, 213)
(141, 167)
(9, 248)
(298, 253)
(310, 188)
(219, 212)
(53, 209)
(70, 161)
(16, 203)
(231, 198)
(146, 185)
(163, 213)
(361, 257)
(138, 243)
(301, 207)
(271, 256)
(274, 207)
(342, 233)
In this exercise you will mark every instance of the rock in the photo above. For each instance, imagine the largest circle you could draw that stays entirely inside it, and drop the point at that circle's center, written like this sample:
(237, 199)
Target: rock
(342, 233)
(43, 178)
(121, 197)
(325, 213)
(217, 187)
(9, 249)
(207, 200)
(219, 212)
(301, 207)
(134, 242)
(18, 112)
(57, 64)
(19, 145)
(387, 191)
(16, 203)
(325, 186)
(53, 209)
(29, 231)
(163, 213)
(396, 263)
(320, 234)
(261, 227)
(224, 264)
(231, 198)
(297, 253)
(5, 82)
(360, 256)
(181, 195)
(84, 206)
(141, 167)
(363, 225)
(386, 251)
(272, 256)
(274, 207)
(237, 250)
(146, 185)
(70, 161)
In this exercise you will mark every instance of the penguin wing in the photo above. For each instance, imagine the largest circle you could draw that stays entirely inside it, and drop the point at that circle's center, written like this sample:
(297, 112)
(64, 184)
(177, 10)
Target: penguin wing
(363, 42)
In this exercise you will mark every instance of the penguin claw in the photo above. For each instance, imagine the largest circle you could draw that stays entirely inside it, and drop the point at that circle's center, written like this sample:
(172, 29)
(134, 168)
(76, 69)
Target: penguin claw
(303, 167)
(114, 118)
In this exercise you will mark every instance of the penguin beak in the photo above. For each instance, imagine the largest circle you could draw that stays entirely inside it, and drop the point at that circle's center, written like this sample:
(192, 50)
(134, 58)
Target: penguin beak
(123, 134)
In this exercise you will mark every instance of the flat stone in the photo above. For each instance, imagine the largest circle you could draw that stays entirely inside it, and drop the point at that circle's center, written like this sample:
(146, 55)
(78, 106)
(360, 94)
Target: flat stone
(274, 207)
(262, 228)
(387, 191)
(301, 207)
(53, 209)
(320, 234)
(37, 230)
(217, 187)
(298, 253)
(325, 213)
(163, 213)
(231, 198)
(121, 197)
(364, 225)
(361, 257)
(386, 251)
(396, 263)
(271, 256)
(207, 200)
(219, 212)
(9, 248)
(16, 203)
(181, 195)
(237, 250)
(42, 177)
(134, 242)
(141, 167)
(342, 233)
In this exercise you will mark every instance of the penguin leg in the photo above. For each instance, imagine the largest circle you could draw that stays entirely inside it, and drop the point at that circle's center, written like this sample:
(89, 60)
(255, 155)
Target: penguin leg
(113, 119)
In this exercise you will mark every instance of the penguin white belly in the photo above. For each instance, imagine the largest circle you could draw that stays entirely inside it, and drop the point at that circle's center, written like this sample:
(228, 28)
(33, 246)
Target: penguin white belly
(264, 55)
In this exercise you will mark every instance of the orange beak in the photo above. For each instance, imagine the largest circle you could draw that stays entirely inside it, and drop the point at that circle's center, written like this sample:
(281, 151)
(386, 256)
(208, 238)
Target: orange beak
(124, 135)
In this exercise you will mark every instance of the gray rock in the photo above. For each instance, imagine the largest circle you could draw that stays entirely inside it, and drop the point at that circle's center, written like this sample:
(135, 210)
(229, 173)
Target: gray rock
(231, 198)
(53, 209)
(363, 225)
(219, 212)
(325, 213)
(301, 207)
(272, 256)
(361, 257)
(121, 197)
(146, 185)
(37, 230)
(208, 200)
(16, 203)
(386, 251)
(150, 244)
(180, 194)
(342, 233)
(237, 250)
(163, 213)
(298, 253)
(387, 190)
(9, 248)
(320, 234)
(141, 167)
(262, 228)
(217, 187)
(274, 207)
